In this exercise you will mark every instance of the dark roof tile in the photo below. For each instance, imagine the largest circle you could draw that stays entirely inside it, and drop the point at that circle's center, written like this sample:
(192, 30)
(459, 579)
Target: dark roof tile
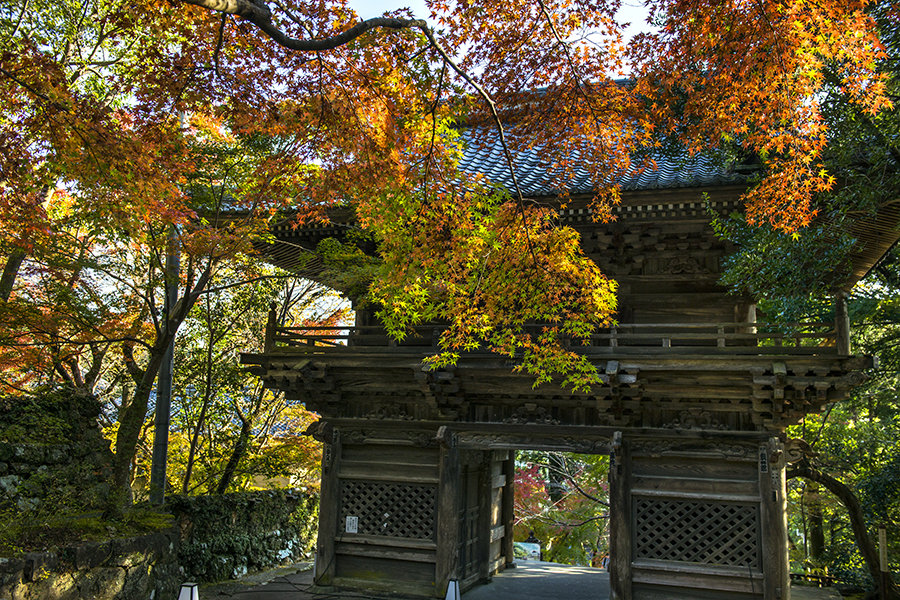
(535, 176)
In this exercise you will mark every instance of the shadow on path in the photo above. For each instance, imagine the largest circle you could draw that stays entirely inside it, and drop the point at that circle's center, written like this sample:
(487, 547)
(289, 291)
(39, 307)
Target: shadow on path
(528, 581)
(544, 581)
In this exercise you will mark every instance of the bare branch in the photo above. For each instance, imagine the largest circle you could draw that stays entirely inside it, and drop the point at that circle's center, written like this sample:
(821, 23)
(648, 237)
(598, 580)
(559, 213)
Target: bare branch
(256, 12)
(216, 57)
(15, 31)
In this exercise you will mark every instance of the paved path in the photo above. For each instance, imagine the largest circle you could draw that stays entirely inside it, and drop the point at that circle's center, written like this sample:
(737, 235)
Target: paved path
(285, 583)
(544, 581)
(528, 581)
(804, 592)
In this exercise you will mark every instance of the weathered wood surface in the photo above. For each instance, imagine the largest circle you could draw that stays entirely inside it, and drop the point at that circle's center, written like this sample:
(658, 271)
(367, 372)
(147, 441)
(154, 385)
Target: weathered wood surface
(485, 510)
(620, 521)
(773, 514)
(739, 392)
(743, 337)
(698, 526)
(389, 485)
(329, 507)
(499, 531)
(690, 379)
(470, 519)
(448, 527)
(508, 516)
(658, 580)
(671, 471)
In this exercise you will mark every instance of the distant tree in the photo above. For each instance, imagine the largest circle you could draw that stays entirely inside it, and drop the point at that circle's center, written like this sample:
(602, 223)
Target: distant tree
(231, 426)
(850, 477)
(564, 499)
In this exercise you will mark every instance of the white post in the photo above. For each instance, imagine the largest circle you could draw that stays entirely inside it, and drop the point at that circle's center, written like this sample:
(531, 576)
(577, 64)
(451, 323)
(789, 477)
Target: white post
(189, 591)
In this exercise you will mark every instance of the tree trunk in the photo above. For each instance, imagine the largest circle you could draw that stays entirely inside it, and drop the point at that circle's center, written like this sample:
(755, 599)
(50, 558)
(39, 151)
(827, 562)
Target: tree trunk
(857, 521)
(195, 441)
(555, 477)
(240, 449)
(207, 398)
(10, 271)
(816, 524)
(131, 419)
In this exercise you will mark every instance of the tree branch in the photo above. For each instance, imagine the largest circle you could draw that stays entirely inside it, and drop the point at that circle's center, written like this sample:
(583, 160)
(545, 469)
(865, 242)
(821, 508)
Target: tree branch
(846, 496)
(256, 12)
(131, 365)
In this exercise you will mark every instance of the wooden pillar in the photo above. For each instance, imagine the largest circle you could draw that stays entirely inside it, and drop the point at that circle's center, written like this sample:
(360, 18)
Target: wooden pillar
(447, 534)
(508, 509)
(484, 515)
(773, 514)
(620, 521)
(329, 511)
(841, 324)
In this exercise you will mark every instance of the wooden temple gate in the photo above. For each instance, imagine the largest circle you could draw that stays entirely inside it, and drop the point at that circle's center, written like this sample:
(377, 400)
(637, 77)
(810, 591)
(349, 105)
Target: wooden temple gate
(418, 467)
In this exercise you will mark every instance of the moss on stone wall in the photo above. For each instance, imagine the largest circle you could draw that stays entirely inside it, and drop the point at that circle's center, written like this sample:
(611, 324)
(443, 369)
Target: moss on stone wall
(53, 456)
(135, 568)
(49, 416)
(55, 467)
(225, 537)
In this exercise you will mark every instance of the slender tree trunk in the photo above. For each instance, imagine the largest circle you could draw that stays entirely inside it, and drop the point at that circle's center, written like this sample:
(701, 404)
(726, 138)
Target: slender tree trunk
(131, 419)
(195, 441)
(555, 477)
(17, 256)
(805, 523)
(240, 449)
(207, 397)
(857, 521)
(10, 271)
(816, 524)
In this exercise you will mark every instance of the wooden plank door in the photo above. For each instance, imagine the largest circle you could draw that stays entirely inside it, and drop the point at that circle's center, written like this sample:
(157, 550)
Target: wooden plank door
(469, 518)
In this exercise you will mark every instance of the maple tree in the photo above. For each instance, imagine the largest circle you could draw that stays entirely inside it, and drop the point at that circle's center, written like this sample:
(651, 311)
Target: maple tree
(153, 116)
(368, 104)
(129, 174)
(564, 500)
(250, 420)
(538, 74)
(228, 433)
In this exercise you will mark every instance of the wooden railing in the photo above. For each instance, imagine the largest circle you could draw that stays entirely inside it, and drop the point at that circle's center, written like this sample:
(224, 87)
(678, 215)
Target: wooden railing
(728, 338)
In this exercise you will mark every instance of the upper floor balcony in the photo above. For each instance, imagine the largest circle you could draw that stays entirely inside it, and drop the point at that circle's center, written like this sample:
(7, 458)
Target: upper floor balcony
(713, 339)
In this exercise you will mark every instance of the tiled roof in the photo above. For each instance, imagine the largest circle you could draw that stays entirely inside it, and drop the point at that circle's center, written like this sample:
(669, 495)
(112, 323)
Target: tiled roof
(535, 176)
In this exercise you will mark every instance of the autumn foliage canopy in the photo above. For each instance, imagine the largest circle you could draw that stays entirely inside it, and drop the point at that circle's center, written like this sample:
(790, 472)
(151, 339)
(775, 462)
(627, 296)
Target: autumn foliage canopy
(122, 106)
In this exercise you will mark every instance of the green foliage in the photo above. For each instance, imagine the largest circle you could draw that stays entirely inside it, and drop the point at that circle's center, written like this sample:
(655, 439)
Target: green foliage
(562, 499)
(50, 415)
(48, 529)
(791, 275)
(52, 453)
(349, 265)
(793, 272)
(223, 421)
(856, 440)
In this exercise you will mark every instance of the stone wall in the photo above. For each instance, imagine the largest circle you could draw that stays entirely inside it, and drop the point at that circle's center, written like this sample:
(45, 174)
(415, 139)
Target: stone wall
(54, 460)
(52, 453)
(215, 538)
(139, 568)
(225, 537)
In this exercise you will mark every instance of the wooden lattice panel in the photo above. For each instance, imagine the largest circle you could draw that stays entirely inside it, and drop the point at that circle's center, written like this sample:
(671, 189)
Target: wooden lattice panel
(389, 509)
(716, 533)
